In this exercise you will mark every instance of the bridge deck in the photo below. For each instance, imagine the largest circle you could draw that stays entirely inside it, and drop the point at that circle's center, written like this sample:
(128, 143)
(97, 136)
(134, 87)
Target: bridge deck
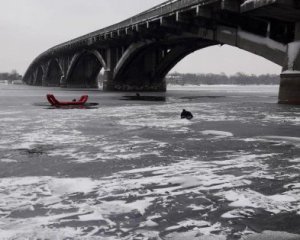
(285, 10)
(154, 13)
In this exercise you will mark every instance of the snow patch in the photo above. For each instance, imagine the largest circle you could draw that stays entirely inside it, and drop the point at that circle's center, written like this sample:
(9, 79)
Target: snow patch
(239, 213)
(251, 199)
(198, 233)
(7, 160)
(189, 223)
(290, 72)
(256, 2)
(219, 134)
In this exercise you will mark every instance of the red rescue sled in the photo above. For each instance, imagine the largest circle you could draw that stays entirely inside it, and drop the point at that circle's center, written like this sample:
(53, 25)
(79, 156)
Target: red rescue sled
(54, 102)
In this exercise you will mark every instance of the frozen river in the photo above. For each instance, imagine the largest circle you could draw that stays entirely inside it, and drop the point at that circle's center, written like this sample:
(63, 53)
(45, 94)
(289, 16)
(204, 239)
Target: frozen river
(132, 169)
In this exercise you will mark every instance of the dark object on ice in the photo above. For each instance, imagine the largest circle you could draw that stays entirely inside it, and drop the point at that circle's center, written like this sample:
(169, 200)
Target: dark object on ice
(186, 114)
(54, 102)
(74, 100)
(138, 97)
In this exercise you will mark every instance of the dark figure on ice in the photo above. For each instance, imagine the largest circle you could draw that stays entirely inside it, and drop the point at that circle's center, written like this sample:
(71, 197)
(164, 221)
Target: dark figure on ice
(74, 100)
(186, 114)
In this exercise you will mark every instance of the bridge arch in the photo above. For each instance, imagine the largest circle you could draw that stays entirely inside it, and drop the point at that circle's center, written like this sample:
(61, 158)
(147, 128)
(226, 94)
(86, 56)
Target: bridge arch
(271, 51)
(177, 54)
(262, 46)
(144, 65)
(84, 68)
(54, 73)
(258, 45)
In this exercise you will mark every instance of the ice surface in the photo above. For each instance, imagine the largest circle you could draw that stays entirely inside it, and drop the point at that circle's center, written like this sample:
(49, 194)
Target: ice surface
(273, 235)
(137, 171)
(284, 140)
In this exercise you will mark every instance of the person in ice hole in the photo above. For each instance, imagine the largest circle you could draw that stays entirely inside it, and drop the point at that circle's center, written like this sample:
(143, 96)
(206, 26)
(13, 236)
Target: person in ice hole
(186, 114)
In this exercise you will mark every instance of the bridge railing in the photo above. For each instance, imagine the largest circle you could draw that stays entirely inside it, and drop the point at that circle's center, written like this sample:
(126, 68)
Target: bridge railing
(158, 11)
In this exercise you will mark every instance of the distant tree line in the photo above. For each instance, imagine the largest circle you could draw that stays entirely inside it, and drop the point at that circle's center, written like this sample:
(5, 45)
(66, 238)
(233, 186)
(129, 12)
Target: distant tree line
(13, 75)
(212, 79)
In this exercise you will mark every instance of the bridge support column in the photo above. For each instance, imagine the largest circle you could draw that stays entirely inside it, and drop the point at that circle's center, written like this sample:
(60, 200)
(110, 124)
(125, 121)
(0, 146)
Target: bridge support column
(290, 88)
(108, 84)
(44, 78)
(290, 78)
(64, 64)
(138, 74)
(142, 74)
(111, 61)
(44, 82)
(63, 82)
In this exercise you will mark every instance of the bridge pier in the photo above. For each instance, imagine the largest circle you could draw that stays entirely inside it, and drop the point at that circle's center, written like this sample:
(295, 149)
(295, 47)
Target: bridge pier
(137, 73)
(146, 85)
(111, 62)
(63, 82)
(108, 83)
(138, 84)
(290, 88)
(289, 92)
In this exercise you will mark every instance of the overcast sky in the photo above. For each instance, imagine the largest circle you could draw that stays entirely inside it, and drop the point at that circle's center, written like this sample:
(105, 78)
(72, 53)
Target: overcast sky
(29, 27)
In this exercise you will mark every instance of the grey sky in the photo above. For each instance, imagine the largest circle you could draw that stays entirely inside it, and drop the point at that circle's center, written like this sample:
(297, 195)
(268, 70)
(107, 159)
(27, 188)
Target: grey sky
(29, 27)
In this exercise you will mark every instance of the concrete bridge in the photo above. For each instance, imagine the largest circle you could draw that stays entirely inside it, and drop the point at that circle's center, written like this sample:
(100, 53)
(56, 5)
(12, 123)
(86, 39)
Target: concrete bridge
(136, 54)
